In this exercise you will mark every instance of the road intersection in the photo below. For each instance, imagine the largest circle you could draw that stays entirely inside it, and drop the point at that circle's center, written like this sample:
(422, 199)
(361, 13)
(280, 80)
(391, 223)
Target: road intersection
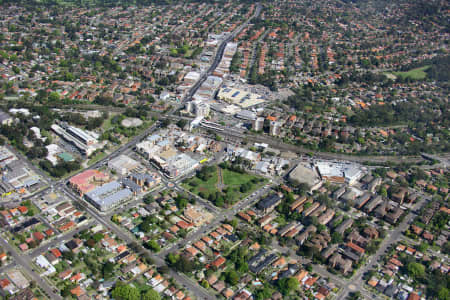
(25, 260)
(347, 285)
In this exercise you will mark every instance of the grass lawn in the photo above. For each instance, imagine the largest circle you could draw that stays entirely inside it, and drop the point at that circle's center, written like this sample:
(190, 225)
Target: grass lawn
(414, 74)
(107, 125)
(96, 158)
(141, 285)
(206, 187)
(234, 179)
(32, 209)
(144, 126)
(40, 227)
(232, 182)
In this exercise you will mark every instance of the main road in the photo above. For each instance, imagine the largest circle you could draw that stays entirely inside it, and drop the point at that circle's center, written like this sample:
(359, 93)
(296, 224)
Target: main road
(219, 54)
(25, 261)
(197, 290)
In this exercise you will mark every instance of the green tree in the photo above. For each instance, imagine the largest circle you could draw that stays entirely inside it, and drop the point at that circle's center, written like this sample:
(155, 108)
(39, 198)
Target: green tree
(151, 294)
(354, 296)
(185, 265)
(336, 238)
(242, 266)
(108, 269)
(232, 277)
(154, 246)
(422, 247)
(443, 294)
(286, 285)
(383, 192)
(204, 284)
(148, 199)
(181, 202)
(66, 291)
(53, 96)
(416, 270)
(115, 218)
(97, 237)
(125, 292)
(172, 258)
(264, 293)
(182, 123)
(145, 226)
(165, 123)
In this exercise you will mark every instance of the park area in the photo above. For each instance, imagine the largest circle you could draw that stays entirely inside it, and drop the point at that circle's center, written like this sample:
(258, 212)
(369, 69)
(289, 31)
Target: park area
(223, 185)
(414, 74)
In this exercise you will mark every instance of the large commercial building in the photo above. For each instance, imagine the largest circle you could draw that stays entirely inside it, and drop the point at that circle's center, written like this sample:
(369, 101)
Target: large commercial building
(123, 164)
(208, 88)
(275, 128)
(223, 69)
(180, 164)
(198, 108)
(108, 195)
(307, 174)
(17, 175)
(192, 77)
(165, 157)
(6, 156)
(339, 172)
(81, 139)
(238, 97)
(230, 50)
(87, 181)
(258, 124)
(146, 181)
(246, 115)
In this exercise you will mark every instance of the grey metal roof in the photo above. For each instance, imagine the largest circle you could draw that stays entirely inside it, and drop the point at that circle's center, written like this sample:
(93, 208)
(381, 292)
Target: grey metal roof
(131, 185)
(109, 194)
(113, 199)
(269, 201)
(4, 116)
(104, 189)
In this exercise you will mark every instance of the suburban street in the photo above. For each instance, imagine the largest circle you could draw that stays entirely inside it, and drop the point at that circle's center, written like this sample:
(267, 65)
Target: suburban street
(25, 262)
(356, 283)
(42, 249)
(220, 216)
(198, 291)
(224, 150)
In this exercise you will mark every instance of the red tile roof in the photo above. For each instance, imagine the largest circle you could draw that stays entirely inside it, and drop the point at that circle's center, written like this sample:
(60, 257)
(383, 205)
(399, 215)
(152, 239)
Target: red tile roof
(56, 252)
(414, 296)
(38, 235)
(218, 262)
(355, 247)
